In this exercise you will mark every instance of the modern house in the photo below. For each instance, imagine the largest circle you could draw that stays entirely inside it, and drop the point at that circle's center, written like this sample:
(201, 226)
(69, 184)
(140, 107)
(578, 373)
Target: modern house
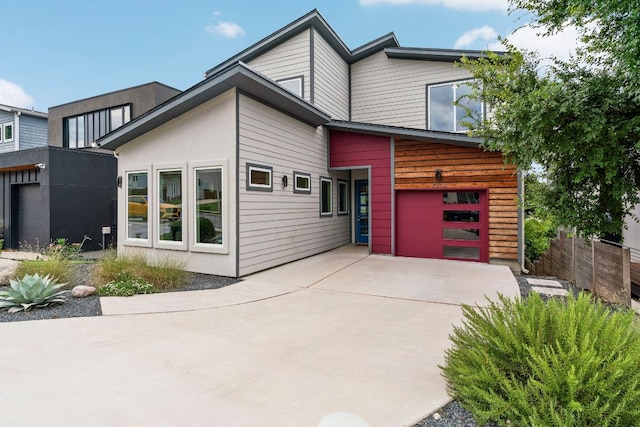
(63, 188)
(21, 129)
(298, 145)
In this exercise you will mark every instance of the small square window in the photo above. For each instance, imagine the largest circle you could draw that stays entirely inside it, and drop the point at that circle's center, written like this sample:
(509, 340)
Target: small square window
(301, 183)
(343, 197)
(259, 178)
(326, 208)
(7, 132)
(294, 85)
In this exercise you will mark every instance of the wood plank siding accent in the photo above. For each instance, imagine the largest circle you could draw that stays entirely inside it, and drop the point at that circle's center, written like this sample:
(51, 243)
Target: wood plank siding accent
(465, 168)
(393, 91)
(280, 226)
(331, 75)
(351, 150)
(289, 59)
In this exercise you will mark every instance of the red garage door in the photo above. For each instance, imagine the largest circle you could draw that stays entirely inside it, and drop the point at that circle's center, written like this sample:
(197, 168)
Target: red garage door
(442, 224)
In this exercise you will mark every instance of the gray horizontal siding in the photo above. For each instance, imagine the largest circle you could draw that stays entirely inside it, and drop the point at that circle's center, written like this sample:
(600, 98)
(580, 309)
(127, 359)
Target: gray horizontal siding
(393, 91)
(5, 147)
(289, 59)
(331, 75)
(281, 226)
(33, 132)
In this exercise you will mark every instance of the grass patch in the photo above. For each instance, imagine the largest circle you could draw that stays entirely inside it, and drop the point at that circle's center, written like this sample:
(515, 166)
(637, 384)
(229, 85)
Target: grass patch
(162, 273)
(56, 268)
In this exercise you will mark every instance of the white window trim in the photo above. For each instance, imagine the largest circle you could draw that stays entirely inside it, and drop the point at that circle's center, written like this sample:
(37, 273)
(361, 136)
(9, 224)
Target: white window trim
(132, 241)
(13, 132)
(209, 247)
(455, 97)
(330, 211)
(299, 80)
(259, 187)
(343, 184)
(297, 189)
(168, 244)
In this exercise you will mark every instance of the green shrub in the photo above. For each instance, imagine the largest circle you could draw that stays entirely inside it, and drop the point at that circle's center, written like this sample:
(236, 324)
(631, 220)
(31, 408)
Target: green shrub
(537, 236)
(54, 267)
(163, 273)
(562, 363)
(31, 291)
(125, 285)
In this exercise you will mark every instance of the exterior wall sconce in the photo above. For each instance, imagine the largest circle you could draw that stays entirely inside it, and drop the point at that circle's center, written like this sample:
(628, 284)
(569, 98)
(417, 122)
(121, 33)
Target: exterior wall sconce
(438, 174)
(119, 181)
(284, 181)
(41, 165)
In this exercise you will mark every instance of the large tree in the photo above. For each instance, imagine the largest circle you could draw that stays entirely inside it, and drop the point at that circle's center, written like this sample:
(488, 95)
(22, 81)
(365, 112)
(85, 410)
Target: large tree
(579, 119)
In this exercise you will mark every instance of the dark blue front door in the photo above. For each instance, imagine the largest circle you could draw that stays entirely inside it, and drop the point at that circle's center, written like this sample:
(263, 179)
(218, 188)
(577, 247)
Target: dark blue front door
(362, 212)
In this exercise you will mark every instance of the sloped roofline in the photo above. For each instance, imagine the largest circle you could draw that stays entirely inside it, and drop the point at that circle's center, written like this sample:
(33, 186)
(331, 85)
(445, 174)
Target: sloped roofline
(238, 76)
(25, 111)
(433, 54)
(409, 133)
(314, 20)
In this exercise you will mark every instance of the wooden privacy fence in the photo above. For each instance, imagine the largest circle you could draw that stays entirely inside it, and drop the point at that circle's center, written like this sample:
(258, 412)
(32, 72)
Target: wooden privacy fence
(599, 267)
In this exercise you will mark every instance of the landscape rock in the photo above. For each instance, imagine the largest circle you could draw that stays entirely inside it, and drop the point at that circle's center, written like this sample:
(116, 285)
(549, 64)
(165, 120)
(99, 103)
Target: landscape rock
(7, 268)
(82, 291)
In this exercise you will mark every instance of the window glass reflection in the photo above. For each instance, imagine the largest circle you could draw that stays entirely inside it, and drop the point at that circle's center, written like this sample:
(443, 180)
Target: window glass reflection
(137, 206)
(208, 184)
(170, 206)
(460, 197)
(461, 252)
(461, 216)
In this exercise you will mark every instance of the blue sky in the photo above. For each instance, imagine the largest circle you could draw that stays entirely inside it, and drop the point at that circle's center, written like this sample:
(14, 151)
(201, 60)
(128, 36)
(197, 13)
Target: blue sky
(61, 51)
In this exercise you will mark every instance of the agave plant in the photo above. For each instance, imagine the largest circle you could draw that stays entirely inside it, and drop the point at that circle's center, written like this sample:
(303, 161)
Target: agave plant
(31, 291)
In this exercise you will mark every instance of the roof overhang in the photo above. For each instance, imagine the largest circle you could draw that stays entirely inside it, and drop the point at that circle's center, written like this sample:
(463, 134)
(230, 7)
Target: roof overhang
(237, 76)
(405, 133)
(438, 55)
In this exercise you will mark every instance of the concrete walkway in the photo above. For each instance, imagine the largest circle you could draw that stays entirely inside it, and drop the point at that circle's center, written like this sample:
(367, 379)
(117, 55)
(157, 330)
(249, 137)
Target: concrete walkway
(339, 333)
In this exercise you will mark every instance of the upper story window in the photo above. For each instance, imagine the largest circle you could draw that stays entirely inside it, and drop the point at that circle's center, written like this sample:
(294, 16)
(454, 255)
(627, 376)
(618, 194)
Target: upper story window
(6, 132)
(81, 131)
(294, 85)
(443, 115)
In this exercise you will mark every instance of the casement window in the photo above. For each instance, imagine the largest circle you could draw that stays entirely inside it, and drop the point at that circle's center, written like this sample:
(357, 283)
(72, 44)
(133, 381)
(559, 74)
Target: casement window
(137, 210)
(443, 115)
(326, 208)
(294, 84)
(259, 178)
(82, 130)
(208, 206)
(6, 132)
(168, 210)
(301, 183)
(343, 197)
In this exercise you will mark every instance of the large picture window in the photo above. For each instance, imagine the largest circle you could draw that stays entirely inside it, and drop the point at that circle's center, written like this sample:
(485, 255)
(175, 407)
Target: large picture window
(137, 205)
(326, 208)
(208, 211)
(170, 205)
(81, 131)
(443, 114)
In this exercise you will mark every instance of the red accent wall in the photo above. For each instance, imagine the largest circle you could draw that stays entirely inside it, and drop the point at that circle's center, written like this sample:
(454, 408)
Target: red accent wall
(353, 150)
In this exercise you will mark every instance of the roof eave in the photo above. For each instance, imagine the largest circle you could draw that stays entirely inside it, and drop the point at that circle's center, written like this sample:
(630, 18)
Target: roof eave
(409, 133)
(438, 55)
(239, 76)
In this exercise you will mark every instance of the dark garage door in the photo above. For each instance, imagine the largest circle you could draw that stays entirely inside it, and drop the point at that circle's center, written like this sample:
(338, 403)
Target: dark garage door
(442, 224)
(30, 215)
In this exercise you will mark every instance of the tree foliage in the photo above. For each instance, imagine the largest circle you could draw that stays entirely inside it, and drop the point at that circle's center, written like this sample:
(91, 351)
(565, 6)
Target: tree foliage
(580, 119)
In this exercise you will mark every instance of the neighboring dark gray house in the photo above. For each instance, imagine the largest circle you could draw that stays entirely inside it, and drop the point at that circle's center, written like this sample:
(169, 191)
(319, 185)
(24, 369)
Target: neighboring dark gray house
(66, 188)
(21, 128)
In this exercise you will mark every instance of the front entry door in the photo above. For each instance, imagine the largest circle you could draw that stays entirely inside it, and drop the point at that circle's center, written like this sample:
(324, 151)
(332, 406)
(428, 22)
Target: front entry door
(362, 212)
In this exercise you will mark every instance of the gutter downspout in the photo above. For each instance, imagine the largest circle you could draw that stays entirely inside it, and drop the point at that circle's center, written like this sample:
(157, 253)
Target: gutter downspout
(16, 132)
(521, 219)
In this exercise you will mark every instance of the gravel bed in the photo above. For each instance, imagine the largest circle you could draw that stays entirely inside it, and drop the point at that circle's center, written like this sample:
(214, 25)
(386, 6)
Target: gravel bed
(90, 306)
(452, 414)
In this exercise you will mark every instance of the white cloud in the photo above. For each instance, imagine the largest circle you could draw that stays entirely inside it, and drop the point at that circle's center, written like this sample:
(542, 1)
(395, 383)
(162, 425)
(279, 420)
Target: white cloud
(473, 5)
(484, 33)
(226, 29)
(14, 95)
(560, 45)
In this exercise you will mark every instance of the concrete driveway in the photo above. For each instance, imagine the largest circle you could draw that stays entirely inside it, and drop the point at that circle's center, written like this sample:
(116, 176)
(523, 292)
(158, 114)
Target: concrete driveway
(336, 337)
